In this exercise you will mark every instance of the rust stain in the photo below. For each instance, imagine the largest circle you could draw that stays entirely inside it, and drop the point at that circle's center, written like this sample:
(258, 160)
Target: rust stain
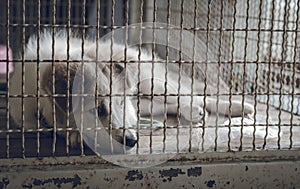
(210, 183)
(195, 172)
(58, 182)
(170, 173)
(134, 175)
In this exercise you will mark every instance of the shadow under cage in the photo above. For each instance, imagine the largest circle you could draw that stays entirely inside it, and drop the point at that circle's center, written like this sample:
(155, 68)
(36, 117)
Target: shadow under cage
(180, 84)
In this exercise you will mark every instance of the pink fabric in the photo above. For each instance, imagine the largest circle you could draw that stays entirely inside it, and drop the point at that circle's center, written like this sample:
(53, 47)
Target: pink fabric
(3, 63)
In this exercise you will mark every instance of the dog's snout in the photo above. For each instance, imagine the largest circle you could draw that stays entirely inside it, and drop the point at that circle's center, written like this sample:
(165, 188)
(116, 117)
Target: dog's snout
(130, 142)
(130, 139)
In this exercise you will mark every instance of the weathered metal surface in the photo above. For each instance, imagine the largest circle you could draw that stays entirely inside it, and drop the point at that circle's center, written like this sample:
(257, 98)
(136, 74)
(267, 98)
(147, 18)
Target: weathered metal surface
(134, 160)
(254, 169)
(281, 174)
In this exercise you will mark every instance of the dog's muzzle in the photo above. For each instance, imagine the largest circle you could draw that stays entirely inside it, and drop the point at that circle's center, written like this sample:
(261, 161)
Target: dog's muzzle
(130, 139)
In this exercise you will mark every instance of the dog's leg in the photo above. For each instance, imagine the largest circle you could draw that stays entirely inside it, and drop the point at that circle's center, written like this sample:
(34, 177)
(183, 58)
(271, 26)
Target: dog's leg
(157, 108)
(237, 108)
(190, 110)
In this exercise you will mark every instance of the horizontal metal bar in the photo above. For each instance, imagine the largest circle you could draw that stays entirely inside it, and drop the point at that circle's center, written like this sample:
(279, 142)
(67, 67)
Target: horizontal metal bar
(273, 62)
(183, 158)
(211, 29)
(58, 129)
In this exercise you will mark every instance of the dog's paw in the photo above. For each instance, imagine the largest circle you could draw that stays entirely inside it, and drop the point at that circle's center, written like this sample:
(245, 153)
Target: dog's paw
(194, 114)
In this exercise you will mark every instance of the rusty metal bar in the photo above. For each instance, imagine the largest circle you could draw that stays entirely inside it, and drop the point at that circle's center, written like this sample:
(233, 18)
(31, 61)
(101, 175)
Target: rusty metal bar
(38, 74)
(256, 71)
(283, 51)
(68, 80)
(53, 78)
(97, 33)
(219, 73)
(244, 74)
(166, 76)
(205, 71)
(7, 77)
(23, 77)
(269, 71)
(193, 75)
(139, 74)
(231, 73)
(294, 73)
(153, 47)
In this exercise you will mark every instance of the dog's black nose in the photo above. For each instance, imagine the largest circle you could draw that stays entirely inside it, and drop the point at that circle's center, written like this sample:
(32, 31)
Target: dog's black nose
(130, 142)
(130, 139)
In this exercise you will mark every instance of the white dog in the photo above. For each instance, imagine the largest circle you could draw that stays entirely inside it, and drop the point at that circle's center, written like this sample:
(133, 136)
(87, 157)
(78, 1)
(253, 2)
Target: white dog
(98, 72)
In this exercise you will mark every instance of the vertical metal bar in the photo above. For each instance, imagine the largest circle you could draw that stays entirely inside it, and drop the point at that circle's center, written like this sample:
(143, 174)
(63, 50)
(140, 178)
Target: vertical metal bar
(139, 75)
(283, 59)
(23, 76)
(193, 74)
(125, 71)
(256, 71)
(82, 93)
(205, 72)
(53, 77)
(152, 73)
(294, 73)
(7, 75)
(269, 73)
(244, 74)
(166, 76)
(82, 60)
(231, 72)
(111, 71)
(286, 42)
(179, 73)
(219, 73)
(68, 80)
(98, 9)
(38, 74)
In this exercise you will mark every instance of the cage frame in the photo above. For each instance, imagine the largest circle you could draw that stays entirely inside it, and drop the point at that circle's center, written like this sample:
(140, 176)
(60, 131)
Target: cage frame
(208, 167)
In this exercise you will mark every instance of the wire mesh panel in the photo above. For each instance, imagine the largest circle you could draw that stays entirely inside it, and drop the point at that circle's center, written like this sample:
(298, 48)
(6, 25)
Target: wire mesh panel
(148, 80)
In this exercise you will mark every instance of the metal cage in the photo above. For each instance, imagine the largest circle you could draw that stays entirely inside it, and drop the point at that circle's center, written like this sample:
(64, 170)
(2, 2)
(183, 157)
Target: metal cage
(250, 54)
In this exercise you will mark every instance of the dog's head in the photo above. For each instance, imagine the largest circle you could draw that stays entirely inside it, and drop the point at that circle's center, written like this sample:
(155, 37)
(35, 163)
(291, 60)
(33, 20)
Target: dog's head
(96, 101)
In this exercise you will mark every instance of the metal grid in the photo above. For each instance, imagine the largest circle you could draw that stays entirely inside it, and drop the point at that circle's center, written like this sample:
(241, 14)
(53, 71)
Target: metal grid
(252, 45)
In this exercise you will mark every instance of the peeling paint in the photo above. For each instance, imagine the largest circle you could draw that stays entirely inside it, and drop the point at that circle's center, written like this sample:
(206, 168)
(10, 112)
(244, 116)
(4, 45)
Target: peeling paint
(196, 172)
(210, 183)
(58, 182)
(134, 175)
(170, 173)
